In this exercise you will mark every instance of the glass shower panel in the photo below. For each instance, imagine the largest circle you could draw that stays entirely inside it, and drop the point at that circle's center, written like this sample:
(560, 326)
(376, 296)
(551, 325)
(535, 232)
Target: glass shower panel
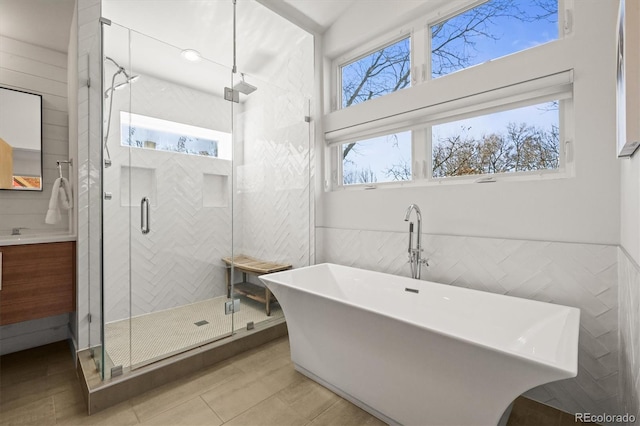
(168, 221)
(273, 203)
(178, 135)
(115, 216)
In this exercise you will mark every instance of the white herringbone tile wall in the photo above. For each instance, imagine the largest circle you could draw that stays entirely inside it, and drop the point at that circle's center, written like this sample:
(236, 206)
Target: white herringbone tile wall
(580, 275)
(274, 181)
(629, 306)
(179, 261)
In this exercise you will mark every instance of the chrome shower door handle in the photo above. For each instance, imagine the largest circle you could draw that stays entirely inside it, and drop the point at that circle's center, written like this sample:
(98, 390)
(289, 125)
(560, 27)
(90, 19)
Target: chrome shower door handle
(144, 216)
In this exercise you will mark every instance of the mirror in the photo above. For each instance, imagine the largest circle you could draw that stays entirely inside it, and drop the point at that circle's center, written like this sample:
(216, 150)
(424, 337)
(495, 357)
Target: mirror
(20, 140)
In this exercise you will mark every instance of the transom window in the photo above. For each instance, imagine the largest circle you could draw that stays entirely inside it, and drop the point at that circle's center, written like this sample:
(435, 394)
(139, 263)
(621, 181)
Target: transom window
(506, 118)
(382, 159)
(163, 135)
(383, 71)
(522, 139)
(491, 30)
(517, 140)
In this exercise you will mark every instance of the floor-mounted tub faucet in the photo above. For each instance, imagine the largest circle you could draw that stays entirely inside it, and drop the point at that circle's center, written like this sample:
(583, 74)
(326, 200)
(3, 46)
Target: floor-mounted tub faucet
(415, 254)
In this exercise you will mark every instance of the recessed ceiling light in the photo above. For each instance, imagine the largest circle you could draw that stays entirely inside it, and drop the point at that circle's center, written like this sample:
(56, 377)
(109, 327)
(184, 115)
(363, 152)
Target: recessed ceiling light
(191, 55)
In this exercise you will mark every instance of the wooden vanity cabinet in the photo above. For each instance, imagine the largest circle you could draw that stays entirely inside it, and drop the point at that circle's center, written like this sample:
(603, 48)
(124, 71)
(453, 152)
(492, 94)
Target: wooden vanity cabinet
(38, 281)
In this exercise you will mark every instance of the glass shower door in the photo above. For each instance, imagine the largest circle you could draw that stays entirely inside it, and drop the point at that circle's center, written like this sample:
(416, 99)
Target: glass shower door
(170, 210)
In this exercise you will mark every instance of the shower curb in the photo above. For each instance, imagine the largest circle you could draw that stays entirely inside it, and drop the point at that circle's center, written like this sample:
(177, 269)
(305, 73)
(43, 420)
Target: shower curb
(100, 394)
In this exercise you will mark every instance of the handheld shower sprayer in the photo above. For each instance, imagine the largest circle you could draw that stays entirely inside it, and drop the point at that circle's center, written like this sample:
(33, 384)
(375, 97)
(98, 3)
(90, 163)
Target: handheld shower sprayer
(129, 78)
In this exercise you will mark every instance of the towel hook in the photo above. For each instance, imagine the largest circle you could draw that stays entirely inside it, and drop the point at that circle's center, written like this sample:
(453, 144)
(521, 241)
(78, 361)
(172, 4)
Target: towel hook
(60, 163)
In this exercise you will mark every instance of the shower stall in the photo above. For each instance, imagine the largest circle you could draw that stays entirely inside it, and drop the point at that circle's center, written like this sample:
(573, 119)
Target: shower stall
(201, 159)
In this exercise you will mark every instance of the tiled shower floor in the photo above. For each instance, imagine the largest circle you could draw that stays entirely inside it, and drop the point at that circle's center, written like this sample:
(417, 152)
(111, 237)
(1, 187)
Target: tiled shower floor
(150, 337)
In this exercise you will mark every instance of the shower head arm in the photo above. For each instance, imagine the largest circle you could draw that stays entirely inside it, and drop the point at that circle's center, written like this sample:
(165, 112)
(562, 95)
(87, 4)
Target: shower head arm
(120, 68)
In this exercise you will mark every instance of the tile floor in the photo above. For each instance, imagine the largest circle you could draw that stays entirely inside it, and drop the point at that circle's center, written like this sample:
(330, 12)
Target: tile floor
(259, 387)
(147, 338)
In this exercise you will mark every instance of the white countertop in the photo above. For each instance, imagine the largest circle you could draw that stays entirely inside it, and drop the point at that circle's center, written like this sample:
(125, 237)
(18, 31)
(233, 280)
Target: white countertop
(14, 240)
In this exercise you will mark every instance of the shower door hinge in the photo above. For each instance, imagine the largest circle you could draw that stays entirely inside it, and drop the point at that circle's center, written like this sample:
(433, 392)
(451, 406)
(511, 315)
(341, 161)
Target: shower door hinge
(116, 371)
(231, 95)
(89, 82)
(89, 317)
(307, 119)
(231, 306)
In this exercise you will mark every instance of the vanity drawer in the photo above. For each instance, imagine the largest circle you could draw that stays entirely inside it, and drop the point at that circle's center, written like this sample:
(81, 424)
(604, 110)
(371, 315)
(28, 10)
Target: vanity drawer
(38, 281)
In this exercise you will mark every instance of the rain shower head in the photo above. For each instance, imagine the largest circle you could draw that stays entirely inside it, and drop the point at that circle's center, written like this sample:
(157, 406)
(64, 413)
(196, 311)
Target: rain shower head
(244, 87)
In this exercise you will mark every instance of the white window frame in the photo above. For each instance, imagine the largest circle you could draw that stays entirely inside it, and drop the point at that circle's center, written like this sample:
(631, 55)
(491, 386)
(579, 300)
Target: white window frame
(545, 89)
(365, 50)
(528, 92)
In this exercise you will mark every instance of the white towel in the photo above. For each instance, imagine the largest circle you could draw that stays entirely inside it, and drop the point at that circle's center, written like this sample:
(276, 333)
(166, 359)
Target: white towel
(61, 191)
(66, 199)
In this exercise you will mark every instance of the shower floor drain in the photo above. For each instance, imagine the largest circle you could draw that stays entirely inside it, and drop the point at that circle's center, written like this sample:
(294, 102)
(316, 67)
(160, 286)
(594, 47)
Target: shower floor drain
(203, 322)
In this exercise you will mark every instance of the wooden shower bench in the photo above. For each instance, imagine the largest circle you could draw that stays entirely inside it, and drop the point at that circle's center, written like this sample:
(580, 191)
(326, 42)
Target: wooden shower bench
(251, 266)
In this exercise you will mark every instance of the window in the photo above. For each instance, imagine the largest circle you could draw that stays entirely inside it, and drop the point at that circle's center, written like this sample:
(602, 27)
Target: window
(382, 159)
(376, 74)
(517, 140)
(494, 29)
(507, 117)
(163, 135)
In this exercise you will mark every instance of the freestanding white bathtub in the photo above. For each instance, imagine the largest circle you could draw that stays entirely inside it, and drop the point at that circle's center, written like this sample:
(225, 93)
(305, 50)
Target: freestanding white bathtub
(419, 353)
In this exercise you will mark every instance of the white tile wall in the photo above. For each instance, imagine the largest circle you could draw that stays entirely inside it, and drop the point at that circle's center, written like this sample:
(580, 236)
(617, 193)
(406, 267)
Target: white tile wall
(274, 178)
(629, 312)
(179, 261)
(580, 275)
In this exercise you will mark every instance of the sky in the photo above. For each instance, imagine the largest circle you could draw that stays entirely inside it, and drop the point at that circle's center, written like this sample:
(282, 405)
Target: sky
(513, 35)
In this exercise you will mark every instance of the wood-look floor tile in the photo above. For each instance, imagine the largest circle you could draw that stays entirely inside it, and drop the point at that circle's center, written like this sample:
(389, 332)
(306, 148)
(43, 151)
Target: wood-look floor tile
(151, 403)
(236, 396)
(527, 412)
(345, 413)
(282, 377)
(194, 412)
(569, 420)
(261, 363)
(60, 365)
(69, 398)
(118, 415)
(270, 412)
(308, 398)
(24, 393)
(21, 372)
(39, 412)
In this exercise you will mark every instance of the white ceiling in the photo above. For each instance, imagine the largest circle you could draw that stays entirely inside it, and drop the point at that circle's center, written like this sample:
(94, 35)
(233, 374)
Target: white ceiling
(162, 31)
(323, 13)
(203, 25)
(41, 22)
(46, 22)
